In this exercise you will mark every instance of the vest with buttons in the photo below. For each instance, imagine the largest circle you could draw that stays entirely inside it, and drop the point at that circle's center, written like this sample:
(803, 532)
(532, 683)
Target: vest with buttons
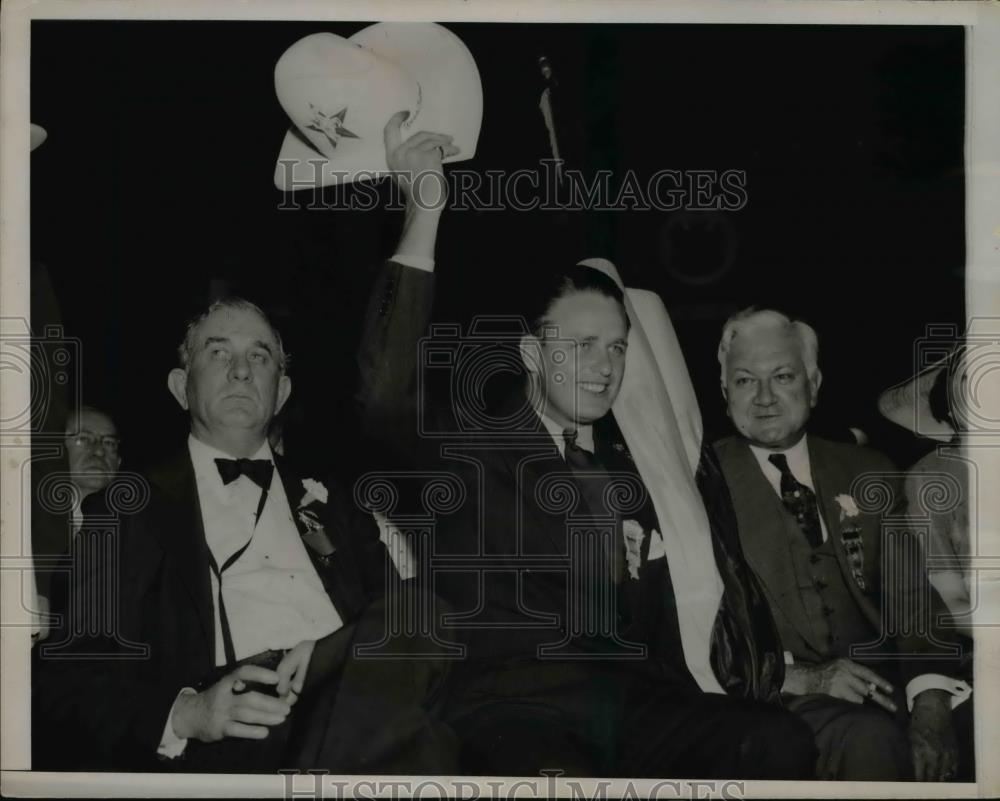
(834, 616)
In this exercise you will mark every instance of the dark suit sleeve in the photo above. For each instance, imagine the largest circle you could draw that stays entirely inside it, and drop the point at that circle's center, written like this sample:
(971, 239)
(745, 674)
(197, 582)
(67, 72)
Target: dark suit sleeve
(398, 315)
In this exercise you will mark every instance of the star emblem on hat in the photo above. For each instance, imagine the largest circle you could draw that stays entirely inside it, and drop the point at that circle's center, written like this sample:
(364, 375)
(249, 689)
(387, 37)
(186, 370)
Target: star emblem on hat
(330, 125)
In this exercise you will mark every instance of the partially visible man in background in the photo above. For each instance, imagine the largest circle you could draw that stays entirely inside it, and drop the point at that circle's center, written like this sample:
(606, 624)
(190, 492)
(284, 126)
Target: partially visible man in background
(92, 445)
(92, 461)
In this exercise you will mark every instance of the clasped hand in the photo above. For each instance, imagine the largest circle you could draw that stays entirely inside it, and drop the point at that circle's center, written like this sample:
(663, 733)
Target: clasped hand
(227, 709)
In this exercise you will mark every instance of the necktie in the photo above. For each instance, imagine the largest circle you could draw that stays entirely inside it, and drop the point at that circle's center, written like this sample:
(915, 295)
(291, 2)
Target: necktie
(260, 472)
(799, 500)
(583, 461)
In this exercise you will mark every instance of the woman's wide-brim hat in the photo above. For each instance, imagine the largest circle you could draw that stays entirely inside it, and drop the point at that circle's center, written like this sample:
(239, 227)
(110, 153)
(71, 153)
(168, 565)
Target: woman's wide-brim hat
(907, 404)
(972, 392)
(339, 94)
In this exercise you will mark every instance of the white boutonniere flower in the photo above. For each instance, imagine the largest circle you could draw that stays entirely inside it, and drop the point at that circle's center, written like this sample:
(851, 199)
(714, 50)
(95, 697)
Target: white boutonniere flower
(633, 534)
(848, 508)
(309, 519)
(315, 491)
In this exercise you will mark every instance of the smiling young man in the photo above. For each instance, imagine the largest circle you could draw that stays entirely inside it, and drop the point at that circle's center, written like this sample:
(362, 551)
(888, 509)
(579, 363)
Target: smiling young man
(574, 657)
(575, 355)
(819, 555)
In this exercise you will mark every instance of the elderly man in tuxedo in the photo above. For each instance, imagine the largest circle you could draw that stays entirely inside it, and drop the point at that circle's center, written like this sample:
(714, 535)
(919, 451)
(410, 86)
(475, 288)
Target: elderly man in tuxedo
(595, 667)
(819, 553)
(239, 588)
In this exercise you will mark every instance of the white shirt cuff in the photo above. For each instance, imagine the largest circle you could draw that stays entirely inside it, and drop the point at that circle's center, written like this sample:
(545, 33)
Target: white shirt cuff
(171, 746)
(959, 690)
(789, 659)
(419, 262)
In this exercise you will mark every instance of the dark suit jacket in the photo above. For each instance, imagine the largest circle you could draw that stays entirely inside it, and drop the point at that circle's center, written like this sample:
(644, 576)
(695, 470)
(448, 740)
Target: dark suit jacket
(505, 519)
(112, 692)
(763, 521)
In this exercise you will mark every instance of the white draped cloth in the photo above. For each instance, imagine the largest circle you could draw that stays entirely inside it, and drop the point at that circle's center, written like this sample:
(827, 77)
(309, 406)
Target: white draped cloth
(658, 414)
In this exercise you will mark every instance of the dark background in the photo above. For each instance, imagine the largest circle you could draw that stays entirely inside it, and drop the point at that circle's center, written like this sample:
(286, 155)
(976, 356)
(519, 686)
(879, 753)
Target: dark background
(156, 179)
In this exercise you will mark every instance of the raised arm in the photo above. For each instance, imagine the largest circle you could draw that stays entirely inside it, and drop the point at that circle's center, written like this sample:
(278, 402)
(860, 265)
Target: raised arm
(399, 308)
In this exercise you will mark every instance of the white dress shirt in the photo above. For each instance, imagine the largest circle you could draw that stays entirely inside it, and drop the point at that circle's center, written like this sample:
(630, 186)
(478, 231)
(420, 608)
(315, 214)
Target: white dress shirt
(584, 435)
(274, 598)
(76, 513)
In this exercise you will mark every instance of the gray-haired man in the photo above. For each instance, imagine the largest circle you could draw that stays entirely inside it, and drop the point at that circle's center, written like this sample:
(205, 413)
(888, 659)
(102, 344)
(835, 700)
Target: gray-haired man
(820, 558)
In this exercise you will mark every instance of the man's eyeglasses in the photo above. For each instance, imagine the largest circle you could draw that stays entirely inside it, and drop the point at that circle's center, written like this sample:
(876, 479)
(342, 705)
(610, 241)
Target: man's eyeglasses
(88, 440)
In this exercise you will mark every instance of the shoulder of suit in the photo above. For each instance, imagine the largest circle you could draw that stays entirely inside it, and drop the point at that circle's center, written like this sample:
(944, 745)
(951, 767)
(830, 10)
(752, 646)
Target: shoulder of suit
(849, 450)
(167, 475)
(860, 457)
(728, 445)
(867, 458)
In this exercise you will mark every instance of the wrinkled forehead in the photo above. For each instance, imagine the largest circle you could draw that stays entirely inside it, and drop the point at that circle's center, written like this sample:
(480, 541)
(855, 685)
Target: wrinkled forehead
(237, 325)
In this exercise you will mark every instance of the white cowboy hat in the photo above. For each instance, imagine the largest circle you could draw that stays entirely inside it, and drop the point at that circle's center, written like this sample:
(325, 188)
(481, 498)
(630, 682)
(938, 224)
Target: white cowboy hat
(339, 94)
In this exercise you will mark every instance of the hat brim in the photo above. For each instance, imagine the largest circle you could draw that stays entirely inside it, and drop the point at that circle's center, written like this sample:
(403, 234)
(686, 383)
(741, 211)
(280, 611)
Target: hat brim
(907, 404)
(38, 135)
(451, 103)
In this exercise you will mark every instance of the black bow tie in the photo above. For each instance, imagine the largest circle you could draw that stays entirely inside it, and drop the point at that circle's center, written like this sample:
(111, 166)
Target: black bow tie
(259, 471)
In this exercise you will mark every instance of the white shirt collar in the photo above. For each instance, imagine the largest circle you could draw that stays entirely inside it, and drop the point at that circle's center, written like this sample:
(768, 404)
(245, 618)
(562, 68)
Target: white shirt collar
(584, 434)
(203, 458)
(798, 462)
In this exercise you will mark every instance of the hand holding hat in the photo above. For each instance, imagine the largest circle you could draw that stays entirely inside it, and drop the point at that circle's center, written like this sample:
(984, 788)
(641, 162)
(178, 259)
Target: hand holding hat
(338, 94)
(416, 162)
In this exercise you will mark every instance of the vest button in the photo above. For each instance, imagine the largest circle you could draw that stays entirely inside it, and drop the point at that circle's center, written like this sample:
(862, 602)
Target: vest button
(813, 558)
(827, 611)
(821, 583)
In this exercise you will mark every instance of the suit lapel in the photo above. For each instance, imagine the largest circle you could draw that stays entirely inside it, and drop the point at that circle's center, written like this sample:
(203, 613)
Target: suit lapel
(830, 481)
(186, 541)
(328, 549)
(763, 523)
(530, 464)
(529, 461)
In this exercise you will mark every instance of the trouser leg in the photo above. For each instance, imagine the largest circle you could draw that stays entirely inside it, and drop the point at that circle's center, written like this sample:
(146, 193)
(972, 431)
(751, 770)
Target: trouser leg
(857, 742)
(668, 733)
(383, 713)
